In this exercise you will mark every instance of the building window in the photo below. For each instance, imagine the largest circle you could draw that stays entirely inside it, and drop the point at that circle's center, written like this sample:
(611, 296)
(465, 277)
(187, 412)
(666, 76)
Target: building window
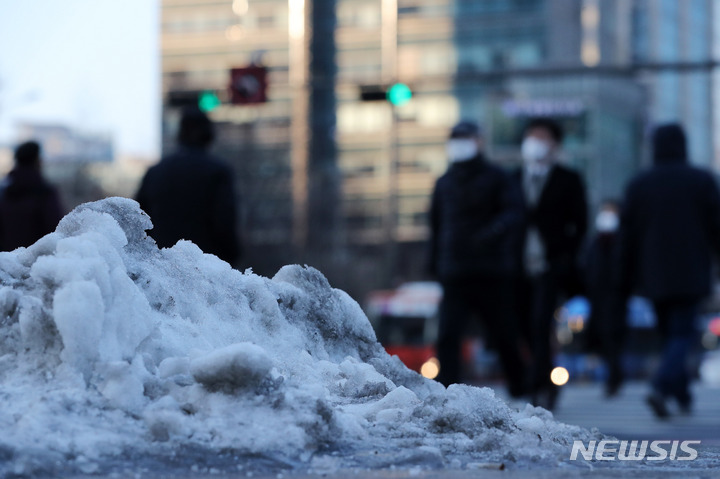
(365, 15)
(442, 111)
(438, 60)
(363, 117)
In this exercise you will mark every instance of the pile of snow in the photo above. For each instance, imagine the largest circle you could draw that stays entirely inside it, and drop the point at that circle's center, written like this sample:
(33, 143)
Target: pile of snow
(113, 350)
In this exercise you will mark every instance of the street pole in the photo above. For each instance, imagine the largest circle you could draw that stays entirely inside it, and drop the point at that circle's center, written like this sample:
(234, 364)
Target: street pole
(297, 31)
(389, 45)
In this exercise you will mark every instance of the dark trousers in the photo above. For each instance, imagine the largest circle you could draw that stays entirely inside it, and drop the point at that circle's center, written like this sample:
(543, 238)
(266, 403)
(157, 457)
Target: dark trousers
(606, 333)
(676, 323)
(539, 298)
(491, 300)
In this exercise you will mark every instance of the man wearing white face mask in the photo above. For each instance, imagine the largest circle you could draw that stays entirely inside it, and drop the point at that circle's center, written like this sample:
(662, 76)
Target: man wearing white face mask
(556, 223)
(476, 210)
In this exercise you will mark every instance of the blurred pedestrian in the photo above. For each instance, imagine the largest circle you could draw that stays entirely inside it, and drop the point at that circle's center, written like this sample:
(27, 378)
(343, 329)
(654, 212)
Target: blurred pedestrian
(189, 194)
(670, 229)
(554, 198)
(605, 332)
(30, 207)
(475, 210)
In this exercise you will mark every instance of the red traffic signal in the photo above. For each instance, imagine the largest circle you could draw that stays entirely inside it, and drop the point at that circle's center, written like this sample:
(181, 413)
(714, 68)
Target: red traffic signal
(248, 85)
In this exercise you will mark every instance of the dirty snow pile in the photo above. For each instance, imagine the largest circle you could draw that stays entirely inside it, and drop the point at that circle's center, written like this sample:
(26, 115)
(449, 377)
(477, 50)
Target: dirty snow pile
(112, 349)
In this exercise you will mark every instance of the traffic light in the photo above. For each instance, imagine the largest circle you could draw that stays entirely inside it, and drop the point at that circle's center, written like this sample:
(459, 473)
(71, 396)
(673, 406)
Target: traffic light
(373, 93)
(206, 100)
(397, 94)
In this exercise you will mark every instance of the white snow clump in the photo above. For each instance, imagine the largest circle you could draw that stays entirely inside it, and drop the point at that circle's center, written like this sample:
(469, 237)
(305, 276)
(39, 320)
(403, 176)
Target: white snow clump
(113, 348)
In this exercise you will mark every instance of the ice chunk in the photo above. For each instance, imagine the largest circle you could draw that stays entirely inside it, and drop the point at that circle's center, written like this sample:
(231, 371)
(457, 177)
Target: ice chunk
(173, 366)
(241, 365)
(79, 311)
(122, 384)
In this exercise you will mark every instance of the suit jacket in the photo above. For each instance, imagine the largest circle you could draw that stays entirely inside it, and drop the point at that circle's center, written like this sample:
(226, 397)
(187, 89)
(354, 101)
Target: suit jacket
(560, 217)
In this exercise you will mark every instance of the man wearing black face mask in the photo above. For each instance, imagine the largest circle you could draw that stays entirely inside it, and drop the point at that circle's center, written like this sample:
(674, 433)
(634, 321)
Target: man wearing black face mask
(670, 232)
(475, 212)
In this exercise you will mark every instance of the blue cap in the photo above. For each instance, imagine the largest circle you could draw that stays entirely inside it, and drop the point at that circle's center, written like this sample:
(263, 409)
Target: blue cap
(466, 129)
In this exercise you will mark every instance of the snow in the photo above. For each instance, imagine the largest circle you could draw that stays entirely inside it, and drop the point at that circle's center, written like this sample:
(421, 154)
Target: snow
(112, 349)
(241, 365)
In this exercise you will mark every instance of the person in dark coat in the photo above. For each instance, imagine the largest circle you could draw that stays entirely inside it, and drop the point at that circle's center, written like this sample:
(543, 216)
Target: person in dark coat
(555, 200)
(606, 328)
(189, 194)
(30, 207)
(670, 232)
(474, 211)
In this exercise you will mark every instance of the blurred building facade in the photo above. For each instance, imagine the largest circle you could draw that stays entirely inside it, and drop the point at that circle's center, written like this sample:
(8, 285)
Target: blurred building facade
(681, 34)
(61, 143)
(321, 171)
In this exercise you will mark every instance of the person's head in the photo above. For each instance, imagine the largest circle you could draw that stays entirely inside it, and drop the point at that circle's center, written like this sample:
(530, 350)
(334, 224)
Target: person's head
(669, 144)
(607, 220)
(542, 138)
(465, 142)
(196, 130)
(27, 155)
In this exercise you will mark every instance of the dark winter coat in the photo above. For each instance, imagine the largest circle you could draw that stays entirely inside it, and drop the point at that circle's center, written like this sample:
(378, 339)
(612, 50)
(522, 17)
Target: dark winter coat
(29, 208)
(189, 195)
(670, 225)
(607, 314)
(475, 210)
(560, 217)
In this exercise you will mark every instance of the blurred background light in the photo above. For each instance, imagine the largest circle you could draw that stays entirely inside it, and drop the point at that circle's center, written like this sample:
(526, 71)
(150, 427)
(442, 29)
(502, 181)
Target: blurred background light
(240, 7)
(234, 33)
(559, 376)
(431, 368)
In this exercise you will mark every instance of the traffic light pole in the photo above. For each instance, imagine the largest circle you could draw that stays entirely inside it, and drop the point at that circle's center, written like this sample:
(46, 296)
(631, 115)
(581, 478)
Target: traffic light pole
(389, 73)
(298, 27)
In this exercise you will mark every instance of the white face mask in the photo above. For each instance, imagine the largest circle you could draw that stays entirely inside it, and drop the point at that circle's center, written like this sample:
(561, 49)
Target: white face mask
(534, 151)
(607, 222)
(461, 149)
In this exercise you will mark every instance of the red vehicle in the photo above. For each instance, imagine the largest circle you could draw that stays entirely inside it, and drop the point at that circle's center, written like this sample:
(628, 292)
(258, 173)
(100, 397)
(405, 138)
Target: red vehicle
(406, 321)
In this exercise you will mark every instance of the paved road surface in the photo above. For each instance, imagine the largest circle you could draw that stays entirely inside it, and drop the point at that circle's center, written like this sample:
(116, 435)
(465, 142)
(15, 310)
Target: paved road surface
(628, 417)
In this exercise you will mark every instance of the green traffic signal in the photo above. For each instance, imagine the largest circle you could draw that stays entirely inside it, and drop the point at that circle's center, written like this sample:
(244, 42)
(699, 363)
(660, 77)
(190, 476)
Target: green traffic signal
(208, 101)
(399, 94)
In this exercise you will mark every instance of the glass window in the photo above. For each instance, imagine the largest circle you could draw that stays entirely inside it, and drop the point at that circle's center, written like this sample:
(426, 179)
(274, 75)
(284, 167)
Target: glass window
(640, 34)
(438, 59)
(359, 14)
(495, 6)
(525, 54)
(441, 111)
(473, 57)
(365, 117)
(696, 34)
(359, 164)
(668, 30)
